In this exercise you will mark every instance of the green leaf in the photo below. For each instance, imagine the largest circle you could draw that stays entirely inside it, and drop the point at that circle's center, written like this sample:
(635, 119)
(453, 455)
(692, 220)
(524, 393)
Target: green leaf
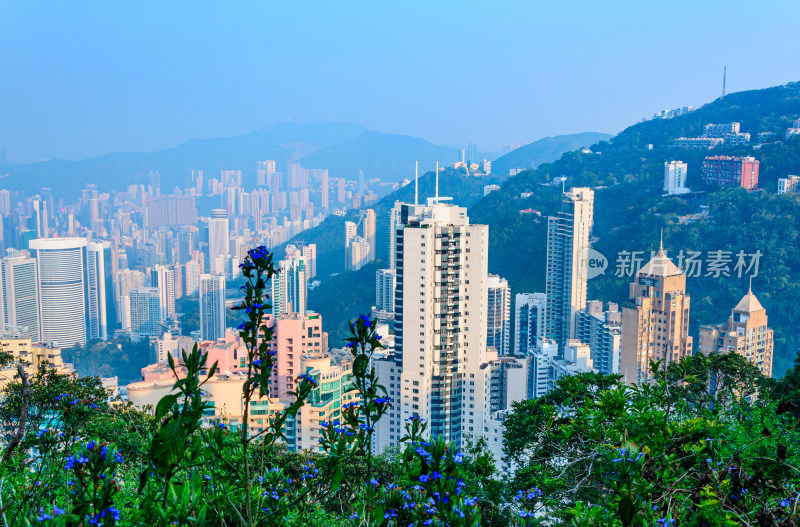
(168, 444)
(336, 480)
(360, 365)
(626, 511)
(165, 405)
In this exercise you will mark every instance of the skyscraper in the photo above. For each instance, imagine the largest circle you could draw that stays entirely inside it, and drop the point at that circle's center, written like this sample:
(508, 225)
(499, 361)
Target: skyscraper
(655, 326)
(124, 281)
(529, 316)
(601, 330)
(498, 312)
(163, 279)
(675, 177)
(368, 231)
(20, 302)
(324, 190)
(440, 317)
(145, 312)
(212, 307)
(99, 284)
(289, 287)
(568, 236)
(746, 332)
(218, 243)
(61, 268)
(385, 282)
(394, 223)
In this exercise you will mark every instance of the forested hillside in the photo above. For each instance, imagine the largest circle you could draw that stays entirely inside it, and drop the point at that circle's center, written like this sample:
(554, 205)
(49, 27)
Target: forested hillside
(630, 212)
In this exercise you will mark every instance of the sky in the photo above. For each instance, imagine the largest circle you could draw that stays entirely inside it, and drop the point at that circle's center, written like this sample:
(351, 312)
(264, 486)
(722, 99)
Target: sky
(79, 79)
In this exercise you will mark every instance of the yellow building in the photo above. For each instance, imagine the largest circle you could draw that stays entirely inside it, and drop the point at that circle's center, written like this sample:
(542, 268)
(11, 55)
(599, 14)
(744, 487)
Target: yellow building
(655, 322)
(224, 391)
(746, 333)
(31, 356)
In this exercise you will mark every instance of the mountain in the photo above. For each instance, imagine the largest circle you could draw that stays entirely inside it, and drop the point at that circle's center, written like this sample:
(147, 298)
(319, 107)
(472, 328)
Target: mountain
(386, 156)
(284, 142)
(545, 150)
(630, 212)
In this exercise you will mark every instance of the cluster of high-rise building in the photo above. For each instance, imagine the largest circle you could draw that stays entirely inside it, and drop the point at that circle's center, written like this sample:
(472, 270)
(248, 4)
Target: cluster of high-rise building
(456, 356)
(359, 241)
(116, 264)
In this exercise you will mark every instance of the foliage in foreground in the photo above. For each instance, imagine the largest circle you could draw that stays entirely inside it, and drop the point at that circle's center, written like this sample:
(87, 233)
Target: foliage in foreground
(710, 443)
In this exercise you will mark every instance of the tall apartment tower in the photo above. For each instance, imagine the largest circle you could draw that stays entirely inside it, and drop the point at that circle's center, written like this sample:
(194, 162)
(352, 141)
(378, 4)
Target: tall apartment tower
(385, 284)
(264, 169)
(568, 236)
(394, 223)
(212, 307)
(655, 323)
(440, 317)
(163, 278)
(368, 232)
(100, 306)
(218, 242)
(61, 275)
(745, 333)
(602, 331)
(675, 177)
(498, 313)
(124, 281)
(20, 301)
(529, 316)
(144, 312)
(290, 287)
(324, 190)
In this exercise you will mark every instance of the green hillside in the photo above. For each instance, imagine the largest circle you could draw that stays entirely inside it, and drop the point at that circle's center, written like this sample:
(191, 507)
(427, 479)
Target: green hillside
(630, 212)
(629, 215)
(545, 150)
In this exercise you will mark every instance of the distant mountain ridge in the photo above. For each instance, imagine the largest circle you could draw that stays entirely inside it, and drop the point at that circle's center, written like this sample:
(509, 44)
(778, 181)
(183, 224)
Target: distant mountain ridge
(284, 142)
(545, 150)
(342, 148)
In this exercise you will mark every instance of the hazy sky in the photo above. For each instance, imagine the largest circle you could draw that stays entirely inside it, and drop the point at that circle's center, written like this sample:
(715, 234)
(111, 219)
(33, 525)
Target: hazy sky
(86, 78)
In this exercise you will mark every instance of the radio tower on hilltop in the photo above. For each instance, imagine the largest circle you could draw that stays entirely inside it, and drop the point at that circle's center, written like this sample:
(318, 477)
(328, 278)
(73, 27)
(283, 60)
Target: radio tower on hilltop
(724, 75)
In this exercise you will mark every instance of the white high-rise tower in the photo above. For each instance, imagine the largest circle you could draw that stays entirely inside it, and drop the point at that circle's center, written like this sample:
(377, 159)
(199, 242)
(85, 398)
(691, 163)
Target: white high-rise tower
(218, 242)
(98, 289)
(568, 236)
(61, 264)
(498, 311)
(440, 317)
(212, 307)
(20, 302)
(163, 278)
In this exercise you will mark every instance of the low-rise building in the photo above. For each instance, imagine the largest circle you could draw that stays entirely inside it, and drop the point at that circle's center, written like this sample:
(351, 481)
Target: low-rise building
(697, 143)
(731, 171)
(22, 351)
(788, 184)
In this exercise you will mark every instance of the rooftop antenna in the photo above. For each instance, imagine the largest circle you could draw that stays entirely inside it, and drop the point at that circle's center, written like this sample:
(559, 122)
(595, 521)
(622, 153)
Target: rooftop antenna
(437, 180)
(724, 76)
(416, 182)
(750, 289)
(661, 242)
(563, 186)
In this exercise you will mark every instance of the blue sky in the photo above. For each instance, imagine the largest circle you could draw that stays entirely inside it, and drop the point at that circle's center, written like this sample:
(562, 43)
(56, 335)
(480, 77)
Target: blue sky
(86, 78)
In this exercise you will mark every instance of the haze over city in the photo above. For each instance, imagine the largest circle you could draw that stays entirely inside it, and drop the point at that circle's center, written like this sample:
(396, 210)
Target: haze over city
(89, 78)
(364, 264)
